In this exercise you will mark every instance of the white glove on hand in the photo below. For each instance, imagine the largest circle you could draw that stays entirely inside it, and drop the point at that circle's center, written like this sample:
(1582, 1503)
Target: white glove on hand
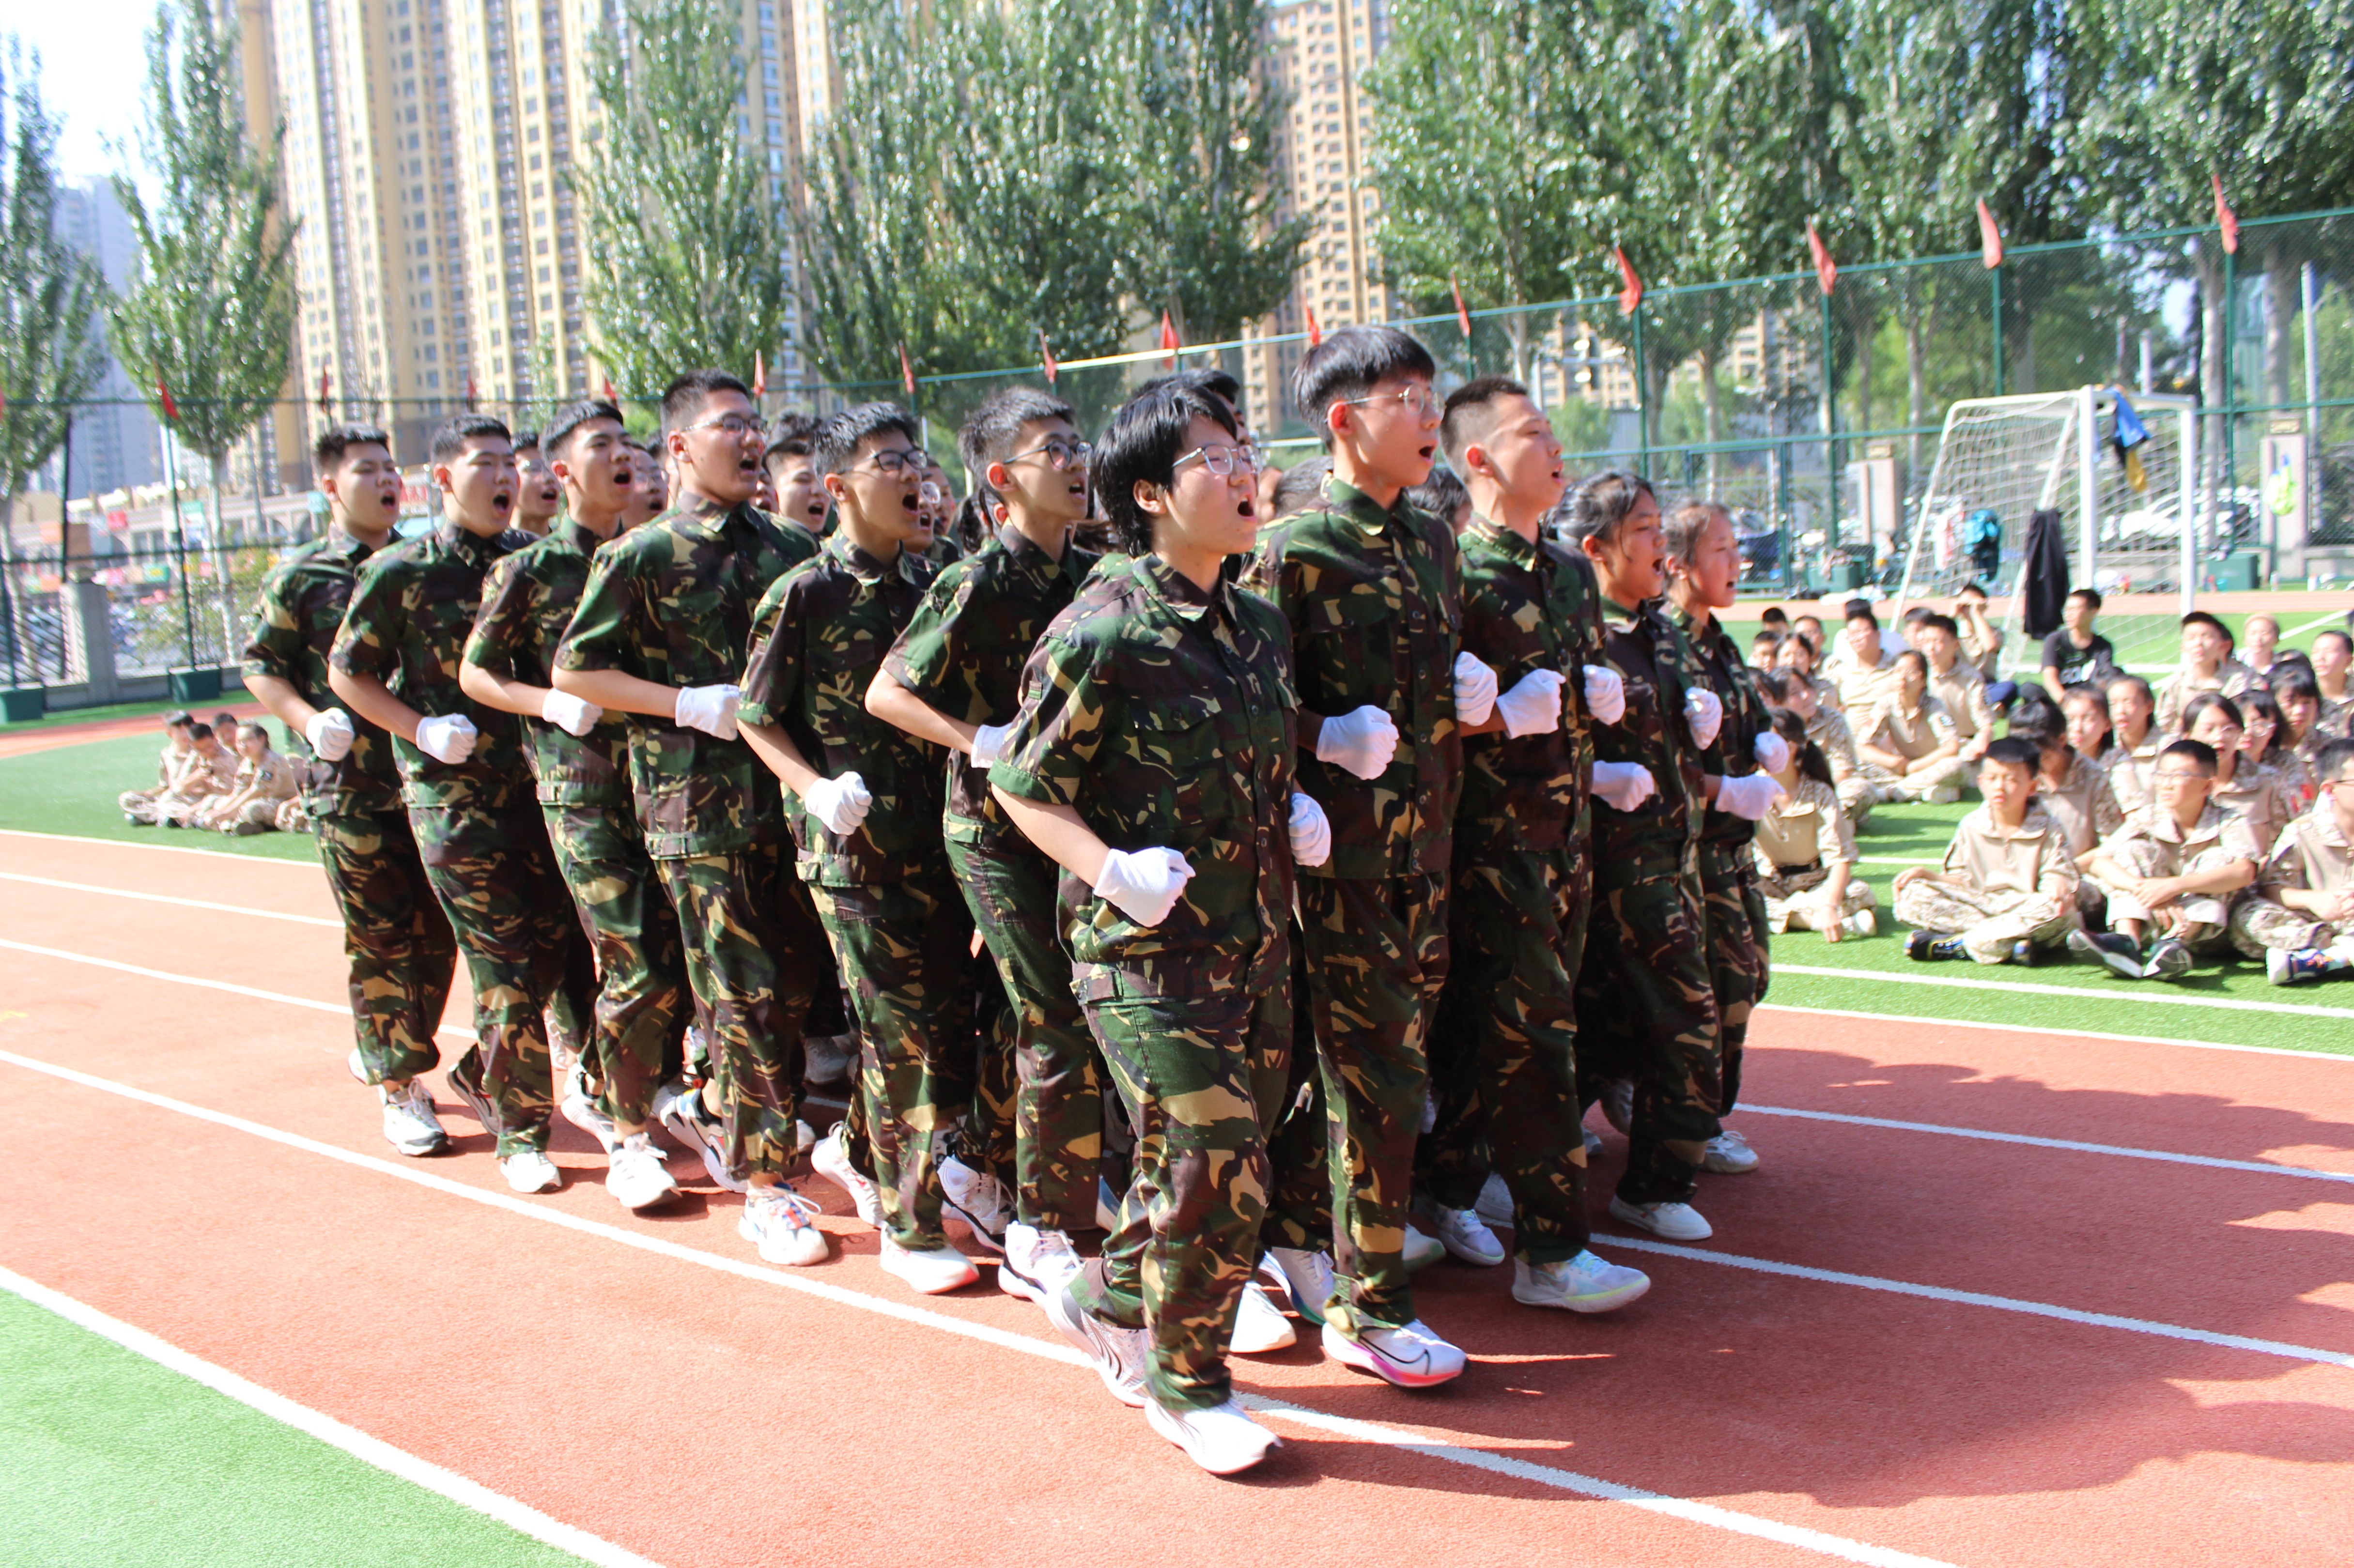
(1772, 751)
(989, 743)
(1475, 688)
(331, 734)
(840, 803)
(449, 738)
(573, 715)
(711, 709)
(1623, 786)
(1311, 832)
(1750, 797)
(1705, 714)
(1144, 884)
(1606, 693)
(1362, 741)
(1533, 705)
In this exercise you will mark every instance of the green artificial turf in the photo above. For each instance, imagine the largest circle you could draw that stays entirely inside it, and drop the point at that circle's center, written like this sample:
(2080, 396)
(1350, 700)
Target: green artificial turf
(72, 788)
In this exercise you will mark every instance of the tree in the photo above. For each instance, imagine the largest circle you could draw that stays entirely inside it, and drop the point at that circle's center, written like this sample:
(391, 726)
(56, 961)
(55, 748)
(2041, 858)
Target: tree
(692, 266)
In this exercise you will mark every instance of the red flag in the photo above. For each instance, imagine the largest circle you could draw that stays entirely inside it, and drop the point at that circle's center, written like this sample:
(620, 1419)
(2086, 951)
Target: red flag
(1631, 295)
(473, 397)
(1047, 358)
(2226, 219)
(171, 409)
(1315, 332)
(907, 371)
(1462, 315)
(611, 395)
(760, 373)
(1990, 237)
(1169, 343)
(326, 382)
(1826, 270)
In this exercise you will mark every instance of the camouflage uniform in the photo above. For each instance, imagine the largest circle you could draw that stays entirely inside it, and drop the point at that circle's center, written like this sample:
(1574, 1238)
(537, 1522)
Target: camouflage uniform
(485, 849)
(583, 786)
(401, 953)
(2310, 856)
(963, 654)
(1503, 1051)
(1737, 939)
(1646, 1001)
(670, 601)
(1370, 596)
(1162, 714)
(884, 892)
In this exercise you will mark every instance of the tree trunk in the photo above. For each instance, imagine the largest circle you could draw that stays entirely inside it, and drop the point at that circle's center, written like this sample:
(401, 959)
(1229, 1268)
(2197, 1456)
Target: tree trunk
(2281, 307)
(2211, 341)
(1866, 330)
(216, 546)
(1917, 385)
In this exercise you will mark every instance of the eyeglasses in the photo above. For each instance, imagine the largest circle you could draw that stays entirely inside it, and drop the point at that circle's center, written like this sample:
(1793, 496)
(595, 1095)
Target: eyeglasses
(735, 427)
(1059, 453)
(1222, 460)
(1417, 399)
(892, 463)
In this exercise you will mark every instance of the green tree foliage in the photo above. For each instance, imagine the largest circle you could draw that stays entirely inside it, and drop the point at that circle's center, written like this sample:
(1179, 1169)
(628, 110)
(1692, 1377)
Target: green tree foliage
(51, 353)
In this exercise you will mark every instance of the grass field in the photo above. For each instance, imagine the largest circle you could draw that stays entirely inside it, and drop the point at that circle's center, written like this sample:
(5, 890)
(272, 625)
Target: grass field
(72, 788)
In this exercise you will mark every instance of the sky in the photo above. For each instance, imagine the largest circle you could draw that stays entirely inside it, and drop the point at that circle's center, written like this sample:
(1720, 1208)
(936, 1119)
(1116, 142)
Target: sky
(93, 59)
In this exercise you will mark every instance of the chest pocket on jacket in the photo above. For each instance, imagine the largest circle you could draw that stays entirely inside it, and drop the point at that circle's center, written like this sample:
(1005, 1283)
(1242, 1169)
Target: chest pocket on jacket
(1178, 752)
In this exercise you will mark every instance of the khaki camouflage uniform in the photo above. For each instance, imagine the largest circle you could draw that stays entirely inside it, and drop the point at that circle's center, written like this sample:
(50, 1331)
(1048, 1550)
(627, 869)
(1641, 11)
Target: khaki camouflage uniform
(206, 777)
(1794, 848)
(1831, 732)
(2019, 883)
(2155, 845)
(2310, 856)
(135, 803)
(1737, 937)
(266, 786)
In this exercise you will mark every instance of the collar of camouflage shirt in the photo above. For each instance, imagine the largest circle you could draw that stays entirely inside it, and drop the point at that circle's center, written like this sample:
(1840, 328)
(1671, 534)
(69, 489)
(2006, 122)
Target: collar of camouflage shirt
(474, 550)
(1357, 507)
(1506, 541)
(1026, 550)
(1175, 590)
(702, 514)
(865, 567)
(350, 547)
(576, 535)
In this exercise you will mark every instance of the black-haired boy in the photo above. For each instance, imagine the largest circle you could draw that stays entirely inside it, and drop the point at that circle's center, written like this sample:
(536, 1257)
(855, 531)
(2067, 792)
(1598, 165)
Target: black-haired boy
(2169, 873)
(2008, 885)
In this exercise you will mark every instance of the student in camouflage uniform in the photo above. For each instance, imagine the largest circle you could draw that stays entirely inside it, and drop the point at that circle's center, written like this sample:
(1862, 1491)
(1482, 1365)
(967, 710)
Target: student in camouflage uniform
(869, 800)
(661, 635)
(464, 777)
(401, 952)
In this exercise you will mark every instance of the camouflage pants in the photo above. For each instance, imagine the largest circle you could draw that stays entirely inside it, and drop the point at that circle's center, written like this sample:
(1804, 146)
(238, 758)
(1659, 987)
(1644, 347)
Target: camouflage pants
(398, 944)
(754, 959)
(1376, 964)
(1738, 963)
(1647, 1011)
(1856, 798)
(1987, 923)
(495, 878)
(253, 817)
(2259, 923)
(1059, 1093)
(1504, 1050)
(1201, 1077)
(1787, 907)
(905, 951)
(641, 1005)
(1951, 773)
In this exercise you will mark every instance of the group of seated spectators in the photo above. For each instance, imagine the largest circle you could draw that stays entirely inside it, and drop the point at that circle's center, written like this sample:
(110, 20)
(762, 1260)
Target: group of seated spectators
(224, 776)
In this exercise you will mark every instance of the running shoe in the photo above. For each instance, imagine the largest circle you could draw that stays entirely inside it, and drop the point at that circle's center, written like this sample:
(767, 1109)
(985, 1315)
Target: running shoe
(1495, 1204)
(465, 1081)
(680, 1109)
(637, 1174)
(1259, 1328)
(1307, 1278)
(980, 1200)
(1224, 1439)
(1862, 923)
(1461, 1232)
(1036, 1263)
(2170, 960)
(1674, 1221)
(1420, 1251)
(1581, 1283)
(581, 1109)
(826, 1059)
(2120, 953)
(410, 1123)
(1729, 1154)
(1120, 1354)
(1411, 1357)
(783, 1226)
(530, 1172)
(831, 1159)
(2284, 966)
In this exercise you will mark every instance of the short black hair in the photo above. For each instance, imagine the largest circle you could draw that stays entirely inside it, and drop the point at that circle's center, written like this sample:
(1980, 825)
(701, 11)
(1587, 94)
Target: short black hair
(1917, 614)
(1773, 685)
(837, 439)
(1349, 364)
(568, 420)
(1969, 588)
(525, 438)
(1461, 424)
(2090, 596)
(1767, 635)
(1917, 657)
(2335, 761)
(792, 435)
(1141, 446)
(1933, 621)
(1301, 486)
(2040, 725)
(1772, 613)
(200, 730)
(1860, 609)
(2016, 750)
(459, 428)
(2294, 681)
(2201, 618)
(257, 727)
(2085, 692)
(1441, 494)
(178, 718)
(2198, 708)
(684, 399)
(1601, 502)
(2344, 637)
(336, 440)
(1204, 379)
(2202, 756)
(223, 713)
(2135, 682)
(993, 432)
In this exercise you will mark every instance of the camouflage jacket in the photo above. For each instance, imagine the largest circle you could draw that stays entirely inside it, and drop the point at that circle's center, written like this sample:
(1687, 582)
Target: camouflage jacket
(1372, 603)
(1527, 606)
(818, 638)
(964, 652)
(1735, 751)
(406, 626)
(670, 601)
(294, 624)
(1659, 838)
(1162, 714)
(527, 603)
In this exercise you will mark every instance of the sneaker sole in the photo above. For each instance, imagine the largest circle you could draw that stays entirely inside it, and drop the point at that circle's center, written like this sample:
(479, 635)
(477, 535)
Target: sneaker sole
(1717, 1166)
(751, 1233)
(1465, 1254)
(1160, 1421)
(554, 1183)
(682, 1127)
(1603, 1301)
(924, 1284)
(582, 1113)
(980, 1233)
(475, 1101)
(1019, 1285)
(440, 1145)
(2117, 963)
(869, 1206)
(1080, 1334)
(1627, 1216)
(1363, 1358)
(668, 1195)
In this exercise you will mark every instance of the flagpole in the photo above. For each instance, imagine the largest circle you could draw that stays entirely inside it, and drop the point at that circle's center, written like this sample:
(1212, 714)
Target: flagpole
(180, 548)
(1993, 286)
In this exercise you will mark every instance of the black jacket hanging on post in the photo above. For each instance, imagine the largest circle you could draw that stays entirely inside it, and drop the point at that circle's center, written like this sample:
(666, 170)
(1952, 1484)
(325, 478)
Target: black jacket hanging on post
(2043, 574)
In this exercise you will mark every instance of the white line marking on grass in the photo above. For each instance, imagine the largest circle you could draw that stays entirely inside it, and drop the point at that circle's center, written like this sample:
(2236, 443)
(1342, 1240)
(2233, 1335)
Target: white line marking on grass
(166, 898)
(521, 1517)
(2164, 998)
(2260, 1167)
(1916, 1019)
(168, 849)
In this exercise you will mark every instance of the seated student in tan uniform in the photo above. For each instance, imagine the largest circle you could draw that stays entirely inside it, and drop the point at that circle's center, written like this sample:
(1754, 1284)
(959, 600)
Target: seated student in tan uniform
(1828, 728)
(1802, 654)
(2134, 741)
(1910, 747)
(2300, 915)
(1762, 646)
(210, 770)
(2169, 873)
(137, 805)
(1981, 638)
(2008, 885)
(2084, 710)
(2299, 737)
(265, 782)
(2207, 667)
(2268, 742)
(1863, 667)
(2244, 787)
(1804, 848)
(2333, 652)
(1956, 681)
(2073, 790)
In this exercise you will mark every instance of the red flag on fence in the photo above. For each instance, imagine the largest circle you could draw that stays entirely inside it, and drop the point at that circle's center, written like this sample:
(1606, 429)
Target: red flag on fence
(1169, 343)
(2226, 219)
(1631, 295)
(1047, 358)
(907, 372)
(1315, 332)
(1462, 316)
(1990, 237)
(474, 396)
(1826, 270)
(605, 385)
(171, 409)
(760, 373)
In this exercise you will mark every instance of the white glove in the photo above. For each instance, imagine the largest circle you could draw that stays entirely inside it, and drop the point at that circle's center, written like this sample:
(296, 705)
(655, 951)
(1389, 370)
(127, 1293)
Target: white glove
(573, 715)
(1750, 797)
(1772, 751)
(449, 738)
(1705, 714)
(711, 709)
(1606, 693)
(1533, 705)
(1143, 884)
(1623, 785)
(1362, 741)
(989, 743)
(331, 734)
(840, 803)
(1475, 688)
(1311, 832)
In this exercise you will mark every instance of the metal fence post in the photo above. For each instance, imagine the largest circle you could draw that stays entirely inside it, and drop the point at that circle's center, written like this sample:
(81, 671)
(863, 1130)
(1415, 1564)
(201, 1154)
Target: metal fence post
(1993, 286)
(2230, 395)
(1642, 402)
(180, 551)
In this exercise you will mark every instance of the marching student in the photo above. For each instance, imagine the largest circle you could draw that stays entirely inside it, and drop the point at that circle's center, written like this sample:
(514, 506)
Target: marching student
(401, 951)
(467, 785)
(2207, 667)
(792, 469)
(2299, 917)
(649, 494)
(2007, 884)
(660, 634)
(2169, 873)
(1805, 846)
(540, 492)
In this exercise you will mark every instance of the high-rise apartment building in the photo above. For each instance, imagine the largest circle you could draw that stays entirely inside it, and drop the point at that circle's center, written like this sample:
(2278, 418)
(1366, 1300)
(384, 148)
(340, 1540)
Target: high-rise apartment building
(114, 443)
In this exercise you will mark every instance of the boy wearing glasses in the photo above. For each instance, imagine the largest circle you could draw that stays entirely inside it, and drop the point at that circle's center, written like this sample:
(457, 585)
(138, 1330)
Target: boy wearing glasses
(2169, 873)
(2300, 917)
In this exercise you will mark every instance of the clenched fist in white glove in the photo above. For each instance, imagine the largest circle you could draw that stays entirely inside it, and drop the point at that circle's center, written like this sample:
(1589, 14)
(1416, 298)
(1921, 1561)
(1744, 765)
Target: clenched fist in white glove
(331, 734)
(449, 738)
(1606, 693)
(1705, 713)
(1363, 741)
(1475, 688)
(1623, 786)
(1533, 705)
(1143, 884)
(1749, 796)
(840, 803)
(1772, 751)
(711, 709)
(573, 715)
(989, 743)
(1311, 832)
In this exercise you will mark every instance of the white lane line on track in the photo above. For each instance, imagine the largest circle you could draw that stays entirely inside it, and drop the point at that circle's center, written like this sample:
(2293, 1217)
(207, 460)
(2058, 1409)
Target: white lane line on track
(2260, 1167)
(1917, 1021)
(168, 849)
(368, 1450)
(2160, 996)
(340, 1010)
(166, 898)
(1565, 1481)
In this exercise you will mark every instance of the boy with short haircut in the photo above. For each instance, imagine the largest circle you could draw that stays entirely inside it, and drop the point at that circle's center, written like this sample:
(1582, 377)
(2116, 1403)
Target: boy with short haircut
(2333, 652)
(792, 469)
(1763, 644)
(2076, 654)
(1981, 638)
(2299, 917)
(265, 782)
(2008, 885)
(135, 803)
(2207, 667)
(540, 493)
(2071, 788)
(1956, 683)
(1862, 667)
(2169, 873)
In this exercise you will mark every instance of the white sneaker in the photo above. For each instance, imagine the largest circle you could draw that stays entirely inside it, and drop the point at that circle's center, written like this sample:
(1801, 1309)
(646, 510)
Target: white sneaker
(933, 1273)
(1223, 1439)
(980, 1200)
(1307, 1278)
(783, 1226)
(1581, 1284)
(358, 1069)
(1411, 1357)
(1676, 1222)
(637, 1174)
(1943, 795)
(826, 1058)
(531, 1171)
(1862, 923)
(1619, 1105)
(1495, 1204)
(1729, 1154)
(583, 1112)
(1120, 1354)
(1462, 1233)
(410, 1123)
(1037, 1263)
(679, 1108)
(1592, 1139)
(1258, 1326)
(829, 1160)
(1420, 1251)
